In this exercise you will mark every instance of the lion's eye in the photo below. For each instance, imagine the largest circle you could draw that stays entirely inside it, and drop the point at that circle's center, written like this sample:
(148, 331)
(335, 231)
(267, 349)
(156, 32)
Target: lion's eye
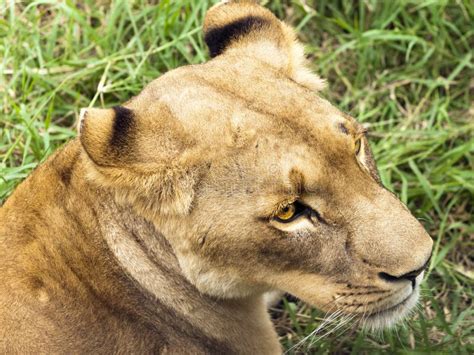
(290, 212)
(286, 213)
(357, 146)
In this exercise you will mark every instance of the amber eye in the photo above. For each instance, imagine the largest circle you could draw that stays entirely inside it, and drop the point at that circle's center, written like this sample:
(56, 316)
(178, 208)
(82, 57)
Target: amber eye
(357, 146)
(286, 213)
(295, 210)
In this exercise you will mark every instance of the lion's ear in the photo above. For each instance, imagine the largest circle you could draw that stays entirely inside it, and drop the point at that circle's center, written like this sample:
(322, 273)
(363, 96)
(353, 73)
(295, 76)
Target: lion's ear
(247, 29)
(154, 173)
(107, 135)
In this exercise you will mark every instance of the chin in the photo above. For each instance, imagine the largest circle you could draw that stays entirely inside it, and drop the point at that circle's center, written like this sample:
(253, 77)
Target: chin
(389, 317)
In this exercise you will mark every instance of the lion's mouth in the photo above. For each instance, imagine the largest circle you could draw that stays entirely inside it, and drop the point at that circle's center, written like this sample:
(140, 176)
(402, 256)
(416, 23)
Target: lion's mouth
(387, 317)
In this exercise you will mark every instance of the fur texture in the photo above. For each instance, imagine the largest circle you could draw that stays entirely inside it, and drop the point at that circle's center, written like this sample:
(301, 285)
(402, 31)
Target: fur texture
(157, 231)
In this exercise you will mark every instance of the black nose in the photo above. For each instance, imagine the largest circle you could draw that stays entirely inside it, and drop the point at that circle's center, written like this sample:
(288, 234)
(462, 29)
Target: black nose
(409, 276)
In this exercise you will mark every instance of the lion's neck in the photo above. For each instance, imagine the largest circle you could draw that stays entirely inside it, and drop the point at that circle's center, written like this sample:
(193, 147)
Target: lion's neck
(145, 255)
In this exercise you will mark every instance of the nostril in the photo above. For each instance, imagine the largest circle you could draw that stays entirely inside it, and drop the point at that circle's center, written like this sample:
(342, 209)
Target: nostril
(412, 275)
(388, 277)
(409, 276)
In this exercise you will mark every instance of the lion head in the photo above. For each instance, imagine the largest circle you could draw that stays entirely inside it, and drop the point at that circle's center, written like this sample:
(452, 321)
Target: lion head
(257, 182)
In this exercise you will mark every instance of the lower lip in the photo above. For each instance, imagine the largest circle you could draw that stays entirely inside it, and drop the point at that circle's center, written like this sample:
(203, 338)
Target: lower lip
(392, 308)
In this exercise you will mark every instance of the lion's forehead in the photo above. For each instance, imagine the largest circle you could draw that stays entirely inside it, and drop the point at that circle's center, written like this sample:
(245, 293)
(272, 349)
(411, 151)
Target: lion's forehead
(216, 99)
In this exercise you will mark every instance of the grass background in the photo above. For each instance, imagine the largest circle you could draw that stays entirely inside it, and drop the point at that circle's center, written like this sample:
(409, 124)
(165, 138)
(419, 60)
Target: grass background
(404, 68)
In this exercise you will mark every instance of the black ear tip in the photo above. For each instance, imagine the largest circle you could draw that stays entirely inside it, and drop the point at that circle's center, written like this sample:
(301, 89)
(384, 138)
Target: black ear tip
(122, 127)
(121, 111)
(219, 38)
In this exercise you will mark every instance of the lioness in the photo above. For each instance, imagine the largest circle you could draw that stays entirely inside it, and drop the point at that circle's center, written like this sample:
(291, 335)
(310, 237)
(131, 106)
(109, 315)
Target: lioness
(160, 228)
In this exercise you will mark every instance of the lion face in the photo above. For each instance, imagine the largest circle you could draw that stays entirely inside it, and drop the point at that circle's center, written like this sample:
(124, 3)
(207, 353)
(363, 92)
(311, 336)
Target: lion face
(256, 181)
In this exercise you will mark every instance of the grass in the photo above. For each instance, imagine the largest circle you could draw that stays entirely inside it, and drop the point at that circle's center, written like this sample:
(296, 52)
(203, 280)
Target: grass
(404, 68)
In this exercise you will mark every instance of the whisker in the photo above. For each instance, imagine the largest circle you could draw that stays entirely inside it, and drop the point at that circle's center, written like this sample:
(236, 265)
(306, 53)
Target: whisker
(338, 318)
(346, 317)
(327, 320)
(343, 322)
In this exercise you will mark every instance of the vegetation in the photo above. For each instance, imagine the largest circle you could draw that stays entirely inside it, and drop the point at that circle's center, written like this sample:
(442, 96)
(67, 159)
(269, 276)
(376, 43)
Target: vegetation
(403, 67)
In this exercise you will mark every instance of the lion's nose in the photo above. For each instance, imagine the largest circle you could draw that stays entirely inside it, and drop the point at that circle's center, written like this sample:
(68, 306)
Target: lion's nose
(409, 276)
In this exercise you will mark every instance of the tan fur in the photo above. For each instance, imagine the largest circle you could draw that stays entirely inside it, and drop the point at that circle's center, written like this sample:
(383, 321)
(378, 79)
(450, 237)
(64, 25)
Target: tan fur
(154, 231)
